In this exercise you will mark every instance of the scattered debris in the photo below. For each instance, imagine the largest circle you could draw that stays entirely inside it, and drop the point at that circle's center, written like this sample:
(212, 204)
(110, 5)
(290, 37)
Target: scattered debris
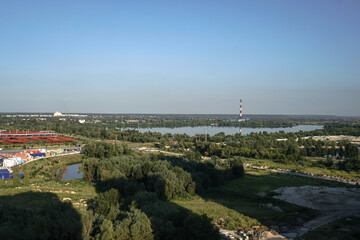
(254, 233)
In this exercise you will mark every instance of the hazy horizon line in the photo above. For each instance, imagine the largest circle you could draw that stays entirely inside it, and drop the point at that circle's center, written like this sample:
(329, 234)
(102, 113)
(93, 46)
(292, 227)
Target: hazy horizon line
(245, 114)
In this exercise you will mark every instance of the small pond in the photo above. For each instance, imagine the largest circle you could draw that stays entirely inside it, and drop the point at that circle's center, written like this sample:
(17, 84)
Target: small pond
(72, 172)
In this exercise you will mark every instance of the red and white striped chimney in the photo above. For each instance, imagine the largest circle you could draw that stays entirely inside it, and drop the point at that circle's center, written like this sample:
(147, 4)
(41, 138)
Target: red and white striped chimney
(240, 109)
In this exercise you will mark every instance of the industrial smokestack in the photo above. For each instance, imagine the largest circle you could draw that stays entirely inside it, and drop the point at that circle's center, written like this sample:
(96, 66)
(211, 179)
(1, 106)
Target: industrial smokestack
(240, 116)
(240, 109)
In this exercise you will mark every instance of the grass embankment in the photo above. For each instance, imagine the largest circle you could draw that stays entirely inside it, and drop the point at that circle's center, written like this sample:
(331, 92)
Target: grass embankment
(45, 169)
(75, 191)
(222, 216)
(248, 201)
(303, 168)
(42, 178)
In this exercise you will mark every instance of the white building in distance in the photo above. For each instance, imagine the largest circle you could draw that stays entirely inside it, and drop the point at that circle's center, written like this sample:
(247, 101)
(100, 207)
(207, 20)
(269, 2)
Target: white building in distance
(57, 114)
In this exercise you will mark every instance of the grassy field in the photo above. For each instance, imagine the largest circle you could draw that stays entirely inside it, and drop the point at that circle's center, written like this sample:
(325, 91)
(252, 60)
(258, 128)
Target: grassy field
(42, 179)
(248, 201)
(75, 191)
(221, 215)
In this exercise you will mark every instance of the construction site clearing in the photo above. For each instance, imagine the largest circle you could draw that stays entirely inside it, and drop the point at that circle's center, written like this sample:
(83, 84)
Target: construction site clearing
(354, 140)
(336, 138)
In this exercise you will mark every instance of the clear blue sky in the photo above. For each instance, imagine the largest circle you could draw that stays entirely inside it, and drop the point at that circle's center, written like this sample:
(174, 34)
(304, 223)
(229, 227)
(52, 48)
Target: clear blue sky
(280, 57)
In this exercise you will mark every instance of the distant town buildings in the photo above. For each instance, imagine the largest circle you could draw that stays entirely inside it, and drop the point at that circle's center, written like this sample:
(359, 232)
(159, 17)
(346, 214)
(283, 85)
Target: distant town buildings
(44, 116)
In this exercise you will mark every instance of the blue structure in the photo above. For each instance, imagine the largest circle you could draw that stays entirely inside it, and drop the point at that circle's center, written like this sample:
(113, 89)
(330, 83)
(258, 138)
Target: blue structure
(38, 154)
(5, 174)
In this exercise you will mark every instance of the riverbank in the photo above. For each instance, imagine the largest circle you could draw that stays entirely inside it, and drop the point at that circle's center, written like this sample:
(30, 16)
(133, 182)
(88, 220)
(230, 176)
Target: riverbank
(46, 168)
(61, 155)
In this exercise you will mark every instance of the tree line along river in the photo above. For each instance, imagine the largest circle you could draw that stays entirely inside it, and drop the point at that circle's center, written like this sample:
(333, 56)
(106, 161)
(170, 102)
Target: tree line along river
(73, 173)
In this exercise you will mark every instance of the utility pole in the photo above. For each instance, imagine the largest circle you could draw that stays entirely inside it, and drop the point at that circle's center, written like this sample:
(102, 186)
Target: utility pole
(240, 116)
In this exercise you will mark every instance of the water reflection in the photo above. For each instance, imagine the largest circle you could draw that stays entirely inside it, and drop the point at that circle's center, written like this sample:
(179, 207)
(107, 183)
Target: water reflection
(72, 172)
(192, 131)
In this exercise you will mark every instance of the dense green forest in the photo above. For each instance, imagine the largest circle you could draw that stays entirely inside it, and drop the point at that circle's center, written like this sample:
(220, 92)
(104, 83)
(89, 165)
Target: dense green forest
(134, 191)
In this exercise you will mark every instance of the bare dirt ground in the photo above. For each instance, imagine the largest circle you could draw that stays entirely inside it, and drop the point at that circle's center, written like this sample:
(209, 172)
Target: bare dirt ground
(352, 139)
(334, 203)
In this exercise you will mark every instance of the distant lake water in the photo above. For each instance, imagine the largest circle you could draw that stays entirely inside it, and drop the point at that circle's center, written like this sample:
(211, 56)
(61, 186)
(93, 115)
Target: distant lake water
(192, 131)
(72, 172)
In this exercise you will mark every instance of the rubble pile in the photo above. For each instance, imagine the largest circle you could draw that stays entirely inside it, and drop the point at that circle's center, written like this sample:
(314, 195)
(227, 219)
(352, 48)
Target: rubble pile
(254, 233)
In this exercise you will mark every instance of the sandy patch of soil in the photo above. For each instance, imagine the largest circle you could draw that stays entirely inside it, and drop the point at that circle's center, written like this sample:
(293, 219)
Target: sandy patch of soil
(334, 203)
(321, 198)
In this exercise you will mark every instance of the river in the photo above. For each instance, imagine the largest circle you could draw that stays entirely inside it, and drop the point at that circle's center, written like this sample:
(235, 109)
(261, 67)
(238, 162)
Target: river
(212, 130)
